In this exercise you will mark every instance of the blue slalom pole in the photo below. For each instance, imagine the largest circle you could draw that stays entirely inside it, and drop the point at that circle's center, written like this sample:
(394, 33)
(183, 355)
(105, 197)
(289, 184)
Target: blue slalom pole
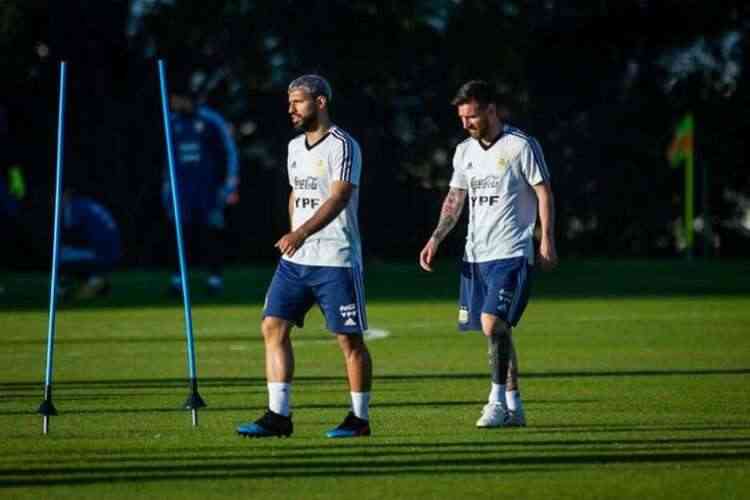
(194, 400)
(47, 409)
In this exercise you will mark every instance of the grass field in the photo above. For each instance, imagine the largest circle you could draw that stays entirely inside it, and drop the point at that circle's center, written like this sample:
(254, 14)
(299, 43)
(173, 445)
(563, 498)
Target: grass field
(635, 376)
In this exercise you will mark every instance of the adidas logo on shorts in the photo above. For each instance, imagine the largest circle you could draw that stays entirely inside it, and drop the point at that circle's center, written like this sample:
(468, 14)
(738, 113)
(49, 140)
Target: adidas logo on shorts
(348, 312)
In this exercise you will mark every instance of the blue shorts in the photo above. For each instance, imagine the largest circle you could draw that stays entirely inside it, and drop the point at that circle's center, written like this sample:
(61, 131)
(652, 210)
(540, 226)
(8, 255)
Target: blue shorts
(498, 287)
(338, 291)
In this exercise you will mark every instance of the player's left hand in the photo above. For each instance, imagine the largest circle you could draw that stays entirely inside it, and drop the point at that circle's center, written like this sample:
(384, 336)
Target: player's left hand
(428, 254)
(290, 242)
(547, 255)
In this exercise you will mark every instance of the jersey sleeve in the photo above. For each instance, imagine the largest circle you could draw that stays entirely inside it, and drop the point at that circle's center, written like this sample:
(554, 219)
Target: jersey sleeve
(458, 179)
(533, 166)
(346, 160)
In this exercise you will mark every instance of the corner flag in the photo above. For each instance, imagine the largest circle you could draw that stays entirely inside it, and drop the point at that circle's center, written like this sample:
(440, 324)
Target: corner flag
(680, 151)
(681, 148)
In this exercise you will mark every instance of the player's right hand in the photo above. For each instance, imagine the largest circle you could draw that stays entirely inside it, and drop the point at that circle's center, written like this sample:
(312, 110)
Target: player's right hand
(427, 254)
(290, 243)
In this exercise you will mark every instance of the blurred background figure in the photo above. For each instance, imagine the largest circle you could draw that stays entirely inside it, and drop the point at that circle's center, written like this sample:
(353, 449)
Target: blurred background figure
(90, 247)
(12, 184)
(12, 189)
(207, 174)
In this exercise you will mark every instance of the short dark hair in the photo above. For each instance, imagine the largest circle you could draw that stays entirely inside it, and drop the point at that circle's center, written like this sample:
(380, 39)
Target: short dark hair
(315, 85)
(476, 90)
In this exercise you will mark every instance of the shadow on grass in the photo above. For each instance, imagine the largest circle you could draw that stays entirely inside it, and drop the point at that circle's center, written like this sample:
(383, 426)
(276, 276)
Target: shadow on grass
(386, 379)
(82, 390)
(254, 449)
(416, 462)
(405, 282)
(117, 409)
(151, 339)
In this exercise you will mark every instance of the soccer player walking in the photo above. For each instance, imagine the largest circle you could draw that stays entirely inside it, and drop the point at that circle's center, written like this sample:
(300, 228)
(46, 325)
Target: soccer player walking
(321, 262)
(502, 173)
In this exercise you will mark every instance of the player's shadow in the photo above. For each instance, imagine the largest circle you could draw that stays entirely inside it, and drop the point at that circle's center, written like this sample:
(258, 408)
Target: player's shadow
(375, 450)
(419, 459)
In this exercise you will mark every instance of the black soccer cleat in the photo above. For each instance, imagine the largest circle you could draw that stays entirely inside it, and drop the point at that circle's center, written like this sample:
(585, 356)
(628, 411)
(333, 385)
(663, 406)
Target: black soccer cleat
(352, 426)
(269, 425)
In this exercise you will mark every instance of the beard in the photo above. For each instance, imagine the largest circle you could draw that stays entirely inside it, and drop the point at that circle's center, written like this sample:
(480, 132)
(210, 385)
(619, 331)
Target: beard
(480, 131)
(306, 123)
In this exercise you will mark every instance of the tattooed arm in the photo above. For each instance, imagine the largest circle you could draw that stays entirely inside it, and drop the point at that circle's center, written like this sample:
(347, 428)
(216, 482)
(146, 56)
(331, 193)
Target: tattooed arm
(451, 211)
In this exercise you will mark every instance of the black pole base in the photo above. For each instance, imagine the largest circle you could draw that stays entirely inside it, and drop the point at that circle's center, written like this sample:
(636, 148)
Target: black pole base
(194, 401)
(47, 408)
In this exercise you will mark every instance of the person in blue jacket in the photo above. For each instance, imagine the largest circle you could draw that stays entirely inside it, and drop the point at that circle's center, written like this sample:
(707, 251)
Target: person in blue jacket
(207, 175)
(90, 246)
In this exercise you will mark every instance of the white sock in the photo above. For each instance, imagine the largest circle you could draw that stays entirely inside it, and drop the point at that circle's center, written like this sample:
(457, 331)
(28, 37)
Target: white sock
(176, 280)
(215, 280)
(361, 405)
(496, 393)
(513, 399)
(279, 396)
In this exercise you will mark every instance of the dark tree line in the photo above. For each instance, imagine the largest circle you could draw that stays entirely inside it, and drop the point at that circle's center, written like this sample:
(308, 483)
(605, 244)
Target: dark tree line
(602, 100)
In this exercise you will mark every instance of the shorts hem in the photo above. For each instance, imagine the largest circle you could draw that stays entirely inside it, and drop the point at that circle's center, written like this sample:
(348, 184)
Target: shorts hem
(299, 323)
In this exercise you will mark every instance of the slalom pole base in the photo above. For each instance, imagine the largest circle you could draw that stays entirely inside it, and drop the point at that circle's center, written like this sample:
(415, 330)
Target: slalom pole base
(47, 410)
(194, 401)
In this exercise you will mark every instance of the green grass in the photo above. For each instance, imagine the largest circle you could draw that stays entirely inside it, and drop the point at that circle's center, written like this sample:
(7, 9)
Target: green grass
(635, 377)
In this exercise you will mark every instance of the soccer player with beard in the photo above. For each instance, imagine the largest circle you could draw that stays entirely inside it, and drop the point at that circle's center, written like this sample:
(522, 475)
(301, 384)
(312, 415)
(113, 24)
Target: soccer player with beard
(321, 262)
(502, 172)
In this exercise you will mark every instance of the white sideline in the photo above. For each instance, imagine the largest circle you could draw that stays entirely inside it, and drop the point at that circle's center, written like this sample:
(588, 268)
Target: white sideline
(370, 334)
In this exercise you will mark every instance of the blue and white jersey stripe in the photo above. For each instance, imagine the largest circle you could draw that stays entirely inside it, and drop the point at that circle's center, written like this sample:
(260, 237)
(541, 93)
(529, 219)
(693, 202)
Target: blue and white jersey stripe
(346, 161)
(359, 289)
(536, 149)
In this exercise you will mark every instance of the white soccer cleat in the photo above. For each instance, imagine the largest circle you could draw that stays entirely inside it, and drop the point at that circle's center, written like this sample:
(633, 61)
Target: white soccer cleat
(493, 415)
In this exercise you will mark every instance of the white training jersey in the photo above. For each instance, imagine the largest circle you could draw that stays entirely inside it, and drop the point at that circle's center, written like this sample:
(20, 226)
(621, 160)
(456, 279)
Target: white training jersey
(312, 170)
(502, 202)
